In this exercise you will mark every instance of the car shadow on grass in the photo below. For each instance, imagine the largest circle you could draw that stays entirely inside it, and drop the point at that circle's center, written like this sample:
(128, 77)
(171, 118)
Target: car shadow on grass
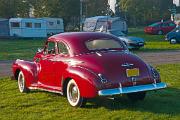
(164, 101)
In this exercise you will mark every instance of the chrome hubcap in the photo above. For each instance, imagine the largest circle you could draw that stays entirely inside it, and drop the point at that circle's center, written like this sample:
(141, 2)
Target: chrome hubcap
(173, 41)
(160, 32)
(73, 93)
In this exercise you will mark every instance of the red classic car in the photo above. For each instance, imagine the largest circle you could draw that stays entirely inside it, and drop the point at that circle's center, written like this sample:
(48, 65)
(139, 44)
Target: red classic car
(84, 65)
(160, 28)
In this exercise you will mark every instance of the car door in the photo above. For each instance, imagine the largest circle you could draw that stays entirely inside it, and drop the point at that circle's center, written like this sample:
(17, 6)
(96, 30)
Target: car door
(61, 62)
(46, 73)
(165, 27)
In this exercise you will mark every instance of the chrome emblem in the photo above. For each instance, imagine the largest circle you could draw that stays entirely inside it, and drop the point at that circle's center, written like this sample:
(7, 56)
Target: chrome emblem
(127, 65)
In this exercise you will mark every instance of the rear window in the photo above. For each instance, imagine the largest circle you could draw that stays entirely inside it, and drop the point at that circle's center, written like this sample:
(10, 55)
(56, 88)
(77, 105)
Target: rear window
(172, 24)
(104, 44)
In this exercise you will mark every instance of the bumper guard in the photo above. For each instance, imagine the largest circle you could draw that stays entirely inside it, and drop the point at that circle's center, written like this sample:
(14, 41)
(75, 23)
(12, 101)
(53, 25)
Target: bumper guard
(132, 89)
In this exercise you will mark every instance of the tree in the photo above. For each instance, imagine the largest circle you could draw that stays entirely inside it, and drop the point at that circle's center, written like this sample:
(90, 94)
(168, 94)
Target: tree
(14, 8)
(96, 7)
(141, 12)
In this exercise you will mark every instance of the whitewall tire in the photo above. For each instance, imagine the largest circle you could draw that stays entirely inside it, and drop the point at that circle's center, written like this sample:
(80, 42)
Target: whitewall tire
(73, 95)
(22, 83)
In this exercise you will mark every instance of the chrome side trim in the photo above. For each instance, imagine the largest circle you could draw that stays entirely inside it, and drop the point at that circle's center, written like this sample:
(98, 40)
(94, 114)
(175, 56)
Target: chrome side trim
(53, 91)
(127, 65)
(132, 89)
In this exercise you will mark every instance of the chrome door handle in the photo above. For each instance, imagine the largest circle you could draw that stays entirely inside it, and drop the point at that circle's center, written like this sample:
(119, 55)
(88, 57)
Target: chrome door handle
(44, 58)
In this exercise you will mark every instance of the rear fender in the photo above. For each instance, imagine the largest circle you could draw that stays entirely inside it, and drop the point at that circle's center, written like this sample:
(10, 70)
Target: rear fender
(29, 70)
(86, 80)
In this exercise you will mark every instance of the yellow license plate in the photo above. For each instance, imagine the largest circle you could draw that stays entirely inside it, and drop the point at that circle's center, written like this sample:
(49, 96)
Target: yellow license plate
(132, 72)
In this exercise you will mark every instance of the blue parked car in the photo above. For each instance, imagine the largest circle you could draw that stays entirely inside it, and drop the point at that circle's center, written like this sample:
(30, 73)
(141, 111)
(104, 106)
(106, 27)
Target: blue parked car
(174, 36)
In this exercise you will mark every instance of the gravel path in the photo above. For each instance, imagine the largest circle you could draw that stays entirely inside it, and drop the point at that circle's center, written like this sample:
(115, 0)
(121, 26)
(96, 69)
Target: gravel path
(165, 57)
(5, 68)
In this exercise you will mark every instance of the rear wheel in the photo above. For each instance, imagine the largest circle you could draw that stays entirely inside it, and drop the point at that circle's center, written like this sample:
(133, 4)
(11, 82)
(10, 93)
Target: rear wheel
(173, 41)
(160, 32)
(73, 95)
(22, 83)
(136, 96)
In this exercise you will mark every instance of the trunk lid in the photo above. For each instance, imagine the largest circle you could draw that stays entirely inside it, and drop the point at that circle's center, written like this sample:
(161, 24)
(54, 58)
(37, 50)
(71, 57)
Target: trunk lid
(115, 66)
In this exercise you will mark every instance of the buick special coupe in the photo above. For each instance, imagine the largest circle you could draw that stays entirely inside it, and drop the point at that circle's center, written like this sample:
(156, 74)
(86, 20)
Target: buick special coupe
(84, 65)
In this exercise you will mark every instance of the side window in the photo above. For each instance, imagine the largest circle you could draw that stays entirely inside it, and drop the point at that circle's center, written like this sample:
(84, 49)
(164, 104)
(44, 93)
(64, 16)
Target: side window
(165, 25)
(62, 48)
(50, 48)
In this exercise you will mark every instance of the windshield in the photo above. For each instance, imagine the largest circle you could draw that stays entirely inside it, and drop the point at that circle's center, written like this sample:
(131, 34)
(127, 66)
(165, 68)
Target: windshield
(104, 44)
(117, 33)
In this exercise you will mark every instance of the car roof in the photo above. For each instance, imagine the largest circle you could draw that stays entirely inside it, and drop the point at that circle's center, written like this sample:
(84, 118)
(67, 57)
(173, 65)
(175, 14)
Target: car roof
(70, 37)
(165, 22)
(76, 40)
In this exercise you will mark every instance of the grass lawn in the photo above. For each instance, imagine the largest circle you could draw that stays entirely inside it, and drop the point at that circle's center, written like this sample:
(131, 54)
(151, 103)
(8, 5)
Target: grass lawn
(153, 42)
(25, 49)
(160, 105)
(19, 48)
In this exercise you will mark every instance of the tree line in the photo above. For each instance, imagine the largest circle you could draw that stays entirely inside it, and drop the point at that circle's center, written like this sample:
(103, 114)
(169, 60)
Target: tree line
(136, 12)
(142, 12)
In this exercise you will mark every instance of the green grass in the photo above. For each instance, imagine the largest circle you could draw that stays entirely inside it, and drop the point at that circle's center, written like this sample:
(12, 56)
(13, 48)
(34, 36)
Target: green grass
(160, 105)
(19, 48)
(25, 49)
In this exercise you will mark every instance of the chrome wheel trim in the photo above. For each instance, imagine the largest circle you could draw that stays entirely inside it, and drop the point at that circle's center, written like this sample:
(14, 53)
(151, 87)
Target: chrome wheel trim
(173, 41)
(73, 94)
(160, 32)
(21, 82)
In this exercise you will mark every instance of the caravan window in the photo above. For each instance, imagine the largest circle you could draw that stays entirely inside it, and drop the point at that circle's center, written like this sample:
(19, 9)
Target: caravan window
(37, 25)
(51, 23)
(28, 24)
(58, 22)
(15, 24)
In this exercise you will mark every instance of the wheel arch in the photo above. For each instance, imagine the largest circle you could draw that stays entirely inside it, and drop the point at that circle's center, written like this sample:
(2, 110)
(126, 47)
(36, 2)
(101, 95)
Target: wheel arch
(29, 69)
(64, 85)
(16, 73)
(84, 81)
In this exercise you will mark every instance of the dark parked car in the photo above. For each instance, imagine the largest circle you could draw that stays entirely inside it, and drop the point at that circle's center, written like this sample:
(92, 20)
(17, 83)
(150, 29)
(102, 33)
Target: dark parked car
(174, 36)
(160, 28)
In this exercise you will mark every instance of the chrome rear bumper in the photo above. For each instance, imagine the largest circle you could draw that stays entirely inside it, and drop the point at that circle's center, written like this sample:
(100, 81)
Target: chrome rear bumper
(132, 89)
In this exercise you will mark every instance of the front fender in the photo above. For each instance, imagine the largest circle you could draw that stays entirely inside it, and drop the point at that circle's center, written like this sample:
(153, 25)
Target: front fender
(29, 70)
(86, 80)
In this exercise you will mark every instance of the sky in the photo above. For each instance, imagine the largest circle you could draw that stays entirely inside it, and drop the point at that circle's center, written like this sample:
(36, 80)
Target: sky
(176, 2)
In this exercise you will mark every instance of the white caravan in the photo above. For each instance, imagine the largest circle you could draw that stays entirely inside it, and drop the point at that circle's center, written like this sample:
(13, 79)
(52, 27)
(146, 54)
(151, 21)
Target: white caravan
(35, 27)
